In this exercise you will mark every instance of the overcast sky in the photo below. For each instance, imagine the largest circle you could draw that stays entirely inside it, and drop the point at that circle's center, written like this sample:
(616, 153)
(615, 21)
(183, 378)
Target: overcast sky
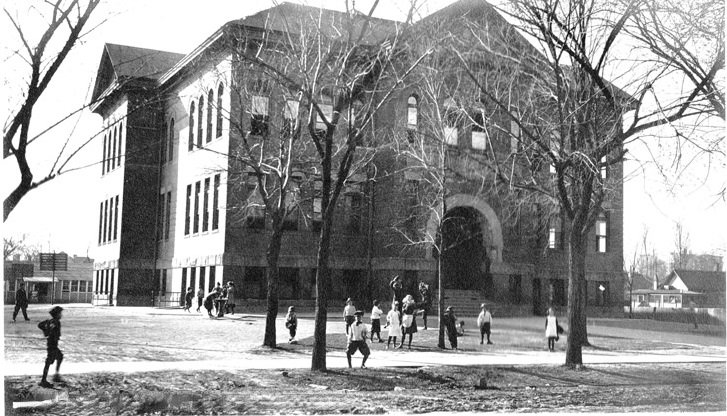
(62, 215)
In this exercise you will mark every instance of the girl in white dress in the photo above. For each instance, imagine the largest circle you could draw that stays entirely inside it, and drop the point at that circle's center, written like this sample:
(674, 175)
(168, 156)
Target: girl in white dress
(393, 321)
(551, 329)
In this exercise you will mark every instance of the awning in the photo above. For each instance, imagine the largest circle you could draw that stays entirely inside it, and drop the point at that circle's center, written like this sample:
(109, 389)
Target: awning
(39, 279)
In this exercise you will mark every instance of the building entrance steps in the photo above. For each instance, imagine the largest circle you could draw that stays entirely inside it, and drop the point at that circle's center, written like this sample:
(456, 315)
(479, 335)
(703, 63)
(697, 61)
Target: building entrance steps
(464, 302)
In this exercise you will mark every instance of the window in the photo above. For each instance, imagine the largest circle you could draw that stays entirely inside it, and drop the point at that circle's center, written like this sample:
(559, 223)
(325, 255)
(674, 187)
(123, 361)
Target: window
(163, 285)
(602, 233)
(602, 294)
(514, 137)
(168, 215)
(515, 288)
(116, 216)
(210, 103)
(557, 292)
(479, 135)
(205, 205)
(355, 201)
(190, 144)
(170, 145)
(113, 150)
(105, 220)
(192, 277)
(112, 136)
(555, 233)
(160, 218)
(118, 152)
(106, 282)
(216, 203)
(184, 285)
(163, 145)
(100, 223)
(255, 208)
(66, 286)
(259, 116)
(200, 124)
(211, 277)
(187, 210)
(317, 204)
(413, 200)
(292, 198)
(290, 117)
(105, 147)
(604, 168)
(450, 122)
(74, 285)
(412, 117)
(96, 282)
(220, 91)
(195, 214)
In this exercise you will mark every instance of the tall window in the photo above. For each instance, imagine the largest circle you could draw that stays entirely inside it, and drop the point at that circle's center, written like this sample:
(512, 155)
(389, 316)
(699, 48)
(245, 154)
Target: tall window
(290, 116)
(170, 145)
(100, 223)
(187, 210)
(515, 288)
(105, 220)
(205, 205)
(211, 278)
(555, 233)
(216, 203)
(192, 277)
(197, 191)
(450, 122)
(255, 208)
(210, 115)
(412, 117)
(103, 159)
(220, 91)
(602, 233)
(184, 285)
(163, 145)
(604, 168)
(118, 152)
(259, 117)
(479, 135)
(200, 124)
(168, 218)
(602, 294)
(113, 150)
(116, 215)
(160, 217)
(190, 144)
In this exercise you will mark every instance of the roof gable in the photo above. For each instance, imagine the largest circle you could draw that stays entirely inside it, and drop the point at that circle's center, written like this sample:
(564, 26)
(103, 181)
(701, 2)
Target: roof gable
(701, 281)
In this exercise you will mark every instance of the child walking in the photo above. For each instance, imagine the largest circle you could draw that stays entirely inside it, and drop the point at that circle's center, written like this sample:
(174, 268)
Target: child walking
(484, 321)
(450, 323)
(376, 321)
(52, 330)
(393, 322)
(291, 322)
(188, 299)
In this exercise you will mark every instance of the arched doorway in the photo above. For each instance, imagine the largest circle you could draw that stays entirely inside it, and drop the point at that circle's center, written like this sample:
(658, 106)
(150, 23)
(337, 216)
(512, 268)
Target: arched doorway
(464, 257)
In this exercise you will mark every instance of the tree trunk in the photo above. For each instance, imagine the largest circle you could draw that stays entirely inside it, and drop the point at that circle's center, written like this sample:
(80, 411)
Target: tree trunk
(318, 361)
(273, 277)
(576, 310)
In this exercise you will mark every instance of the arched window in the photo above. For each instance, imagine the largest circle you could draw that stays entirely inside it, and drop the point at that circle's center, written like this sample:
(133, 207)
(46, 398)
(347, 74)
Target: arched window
(170, 146)
(210, 102)
(220, 91)
(163, 145)
(118, 153)
(450, 122)
(190, 145)
(200, 114)
(112, 152)
(412, 117)
(103, 159)
(602, 233)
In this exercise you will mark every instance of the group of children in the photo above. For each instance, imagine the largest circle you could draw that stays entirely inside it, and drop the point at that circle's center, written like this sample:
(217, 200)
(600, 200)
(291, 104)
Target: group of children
(221, 300)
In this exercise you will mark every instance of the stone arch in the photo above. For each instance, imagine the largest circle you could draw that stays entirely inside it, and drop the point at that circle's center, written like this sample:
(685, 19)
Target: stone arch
(491, 227)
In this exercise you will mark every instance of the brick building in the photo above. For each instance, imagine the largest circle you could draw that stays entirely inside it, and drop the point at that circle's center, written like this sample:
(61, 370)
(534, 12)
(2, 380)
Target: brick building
(73, 285)
(167, 217)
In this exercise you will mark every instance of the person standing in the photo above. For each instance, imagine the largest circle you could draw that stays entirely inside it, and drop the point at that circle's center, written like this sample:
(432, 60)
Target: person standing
(426, 301)
(230, 306)
(188, 299)
(349, 312)
(291, 322)
(21, 302)
(398, 288)
(209, 302)
(200, 298)
(52, 331)
(376, 321)
(450, 324)
(409, 319)
(551, 329)
(393, 321)
(484, 322)
(357, 340)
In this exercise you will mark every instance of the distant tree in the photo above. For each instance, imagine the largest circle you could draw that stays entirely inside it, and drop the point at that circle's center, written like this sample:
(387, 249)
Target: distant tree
(65, 21)
(19, 245)
(681, 253)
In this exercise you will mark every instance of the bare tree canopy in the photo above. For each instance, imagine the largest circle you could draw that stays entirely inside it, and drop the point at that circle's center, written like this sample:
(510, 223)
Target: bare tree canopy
(66, 20)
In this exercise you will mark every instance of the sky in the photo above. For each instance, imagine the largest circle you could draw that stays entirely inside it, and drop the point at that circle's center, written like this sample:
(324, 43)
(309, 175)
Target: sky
(62, 214)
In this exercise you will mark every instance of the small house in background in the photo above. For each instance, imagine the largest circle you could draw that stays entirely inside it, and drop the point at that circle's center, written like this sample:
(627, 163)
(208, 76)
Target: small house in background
(684, 289)
(71, 286)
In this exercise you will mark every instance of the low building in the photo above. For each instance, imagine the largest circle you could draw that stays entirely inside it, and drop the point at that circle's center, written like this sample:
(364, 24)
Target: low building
(684, 289)
(69, 286)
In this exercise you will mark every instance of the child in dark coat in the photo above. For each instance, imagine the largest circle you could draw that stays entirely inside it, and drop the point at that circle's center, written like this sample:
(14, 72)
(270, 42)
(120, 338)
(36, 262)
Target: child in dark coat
(52, 330)
(450, 323)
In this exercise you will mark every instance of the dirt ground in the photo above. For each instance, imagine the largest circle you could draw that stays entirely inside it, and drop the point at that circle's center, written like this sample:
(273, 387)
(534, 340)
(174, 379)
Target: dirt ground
(598, 388)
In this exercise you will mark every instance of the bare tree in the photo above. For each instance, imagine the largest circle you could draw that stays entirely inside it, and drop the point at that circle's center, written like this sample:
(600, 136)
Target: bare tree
(66, 21)
(340, 68)
(566, 117)
(681, 246)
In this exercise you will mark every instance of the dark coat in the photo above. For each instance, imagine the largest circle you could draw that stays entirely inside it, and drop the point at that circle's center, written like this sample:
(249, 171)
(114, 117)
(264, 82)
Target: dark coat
(21, 298)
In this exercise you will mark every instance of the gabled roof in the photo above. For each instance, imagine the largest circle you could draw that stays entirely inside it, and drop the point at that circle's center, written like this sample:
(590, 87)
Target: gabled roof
(288, 17)
(120, 63)
(699, 281)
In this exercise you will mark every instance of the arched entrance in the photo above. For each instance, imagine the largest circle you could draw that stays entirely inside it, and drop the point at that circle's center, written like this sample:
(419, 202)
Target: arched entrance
(464, 257)
(472, 238)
